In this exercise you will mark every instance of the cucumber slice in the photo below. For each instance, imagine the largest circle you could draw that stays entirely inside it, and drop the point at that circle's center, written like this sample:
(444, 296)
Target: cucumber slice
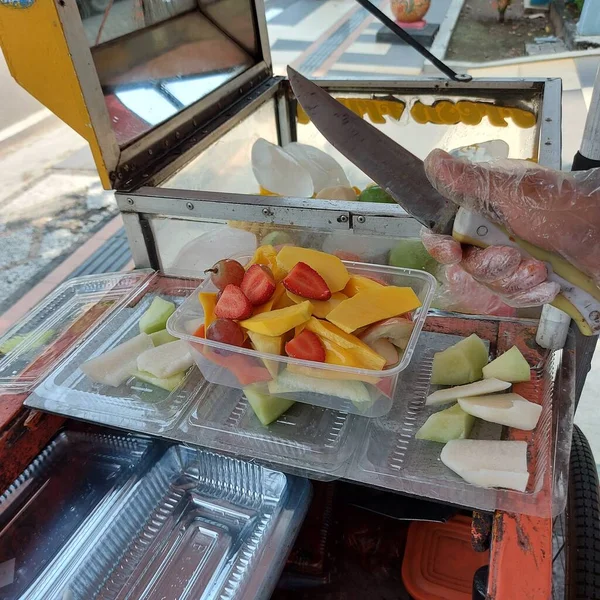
(166, 383)
(267, 408)
(450, 424)
(155, 318)
(461, 363)
(162, 337)
(510, 366)
(287, 383)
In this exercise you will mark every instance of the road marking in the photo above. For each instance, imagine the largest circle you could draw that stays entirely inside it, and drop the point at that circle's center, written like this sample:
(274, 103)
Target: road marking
(24, 124)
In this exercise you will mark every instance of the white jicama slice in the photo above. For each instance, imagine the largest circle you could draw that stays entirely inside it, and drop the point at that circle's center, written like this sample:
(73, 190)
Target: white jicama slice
(479, 388)
(489, 463)
(511, 410)
(116, 366)
(166, 360)
(510, 366)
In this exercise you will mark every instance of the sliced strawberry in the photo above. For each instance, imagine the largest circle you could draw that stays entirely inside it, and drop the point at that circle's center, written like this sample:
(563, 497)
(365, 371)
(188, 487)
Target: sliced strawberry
(306, 346)
(233, 304)
(304, 281)
(258, 284)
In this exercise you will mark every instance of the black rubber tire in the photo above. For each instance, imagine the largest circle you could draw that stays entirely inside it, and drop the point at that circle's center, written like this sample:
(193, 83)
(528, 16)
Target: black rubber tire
(582, 547)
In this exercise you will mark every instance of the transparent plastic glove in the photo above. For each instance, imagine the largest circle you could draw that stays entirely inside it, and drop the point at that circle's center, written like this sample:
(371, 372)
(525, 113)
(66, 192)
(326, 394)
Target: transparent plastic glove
(555, 210)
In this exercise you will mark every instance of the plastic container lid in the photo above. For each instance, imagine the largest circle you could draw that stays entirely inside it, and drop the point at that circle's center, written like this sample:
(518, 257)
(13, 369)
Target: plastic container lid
(33, 346)
(365, 392)
(439, 562)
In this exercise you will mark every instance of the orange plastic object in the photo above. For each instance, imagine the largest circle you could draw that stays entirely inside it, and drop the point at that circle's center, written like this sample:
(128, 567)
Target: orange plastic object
(439, 562)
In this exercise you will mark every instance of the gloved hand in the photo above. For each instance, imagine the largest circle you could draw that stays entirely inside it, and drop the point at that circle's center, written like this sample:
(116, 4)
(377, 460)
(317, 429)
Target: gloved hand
(554, 210)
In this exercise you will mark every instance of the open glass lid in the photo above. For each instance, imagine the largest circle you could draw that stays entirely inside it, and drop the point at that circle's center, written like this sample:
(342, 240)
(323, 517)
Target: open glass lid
(137, 77)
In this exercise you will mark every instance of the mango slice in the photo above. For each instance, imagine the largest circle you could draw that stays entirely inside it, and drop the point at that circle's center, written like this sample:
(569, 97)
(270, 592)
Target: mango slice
(321, 308)
(369, 359)
(373, 305)
(269, 345)
(358, 283)
(267, 255)
(277, 322)
(208, 300)
(328, 266)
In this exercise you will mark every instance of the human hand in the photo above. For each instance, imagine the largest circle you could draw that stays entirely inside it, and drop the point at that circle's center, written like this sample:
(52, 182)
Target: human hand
(555, 211)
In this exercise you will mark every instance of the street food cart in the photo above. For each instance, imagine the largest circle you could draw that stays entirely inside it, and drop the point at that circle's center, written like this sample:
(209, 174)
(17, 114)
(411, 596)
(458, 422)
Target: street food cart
(171, 97)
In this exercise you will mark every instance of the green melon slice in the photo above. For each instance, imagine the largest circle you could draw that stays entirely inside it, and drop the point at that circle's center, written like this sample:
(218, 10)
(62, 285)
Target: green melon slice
(287, 383)
(162, 337)
(461, 363)
(166, 383)
(450, 424)
(267, 408)
(510, 366)
(155, 318)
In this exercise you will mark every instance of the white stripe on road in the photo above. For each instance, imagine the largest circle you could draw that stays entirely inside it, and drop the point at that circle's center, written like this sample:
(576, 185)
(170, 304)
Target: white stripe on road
(24, 124)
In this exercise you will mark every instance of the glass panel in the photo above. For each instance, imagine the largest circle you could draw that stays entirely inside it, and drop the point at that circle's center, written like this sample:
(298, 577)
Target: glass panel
(225, 166)
(157, 57)
(420, 122)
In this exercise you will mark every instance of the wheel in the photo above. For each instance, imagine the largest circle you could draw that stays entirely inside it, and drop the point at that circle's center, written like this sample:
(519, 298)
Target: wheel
(576, 533)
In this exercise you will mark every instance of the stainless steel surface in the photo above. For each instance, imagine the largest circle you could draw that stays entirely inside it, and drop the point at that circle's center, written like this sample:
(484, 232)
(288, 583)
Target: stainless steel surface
(550, 119)
(139, 238)
(50, 511)
(393, 167)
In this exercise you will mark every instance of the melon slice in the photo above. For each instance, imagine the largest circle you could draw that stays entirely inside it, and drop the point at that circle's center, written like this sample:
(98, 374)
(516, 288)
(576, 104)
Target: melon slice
(511, 410)
(116, 366)
(166, 383)
(488, 463)
(268, 344)
(157, 315)
(166, 360)
(267, 408)
(461, 363)
(510, 366)
(450, 424)
(162, 337)
(479, 388)
(288, 383)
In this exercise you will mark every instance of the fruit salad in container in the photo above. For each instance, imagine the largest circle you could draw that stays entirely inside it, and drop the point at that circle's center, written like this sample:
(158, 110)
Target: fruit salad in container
(300, 325)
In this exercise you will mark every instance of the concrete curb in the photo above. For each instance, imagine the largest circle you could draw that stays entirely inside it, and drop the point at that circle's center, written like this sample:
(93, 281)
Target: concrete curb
(442, 39)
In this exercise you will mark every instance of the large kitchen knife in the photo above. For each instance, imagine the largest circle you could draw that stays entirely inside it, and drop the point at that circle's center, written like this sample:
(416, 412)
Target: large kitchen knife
(401, 174)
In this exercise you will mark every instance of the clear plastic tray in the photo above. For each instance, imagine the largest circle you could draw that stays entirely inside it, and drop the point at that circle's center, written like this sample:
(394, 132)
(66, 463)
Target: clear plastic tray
(198, 526)
(380, 384)
(65, 317)
(135, 405)
(72, 484)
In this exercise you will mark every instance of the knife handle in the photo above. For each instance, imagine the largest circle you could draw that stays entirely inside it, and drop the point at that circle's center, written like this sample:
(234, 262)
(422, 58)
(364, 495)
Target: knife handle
(579, 297)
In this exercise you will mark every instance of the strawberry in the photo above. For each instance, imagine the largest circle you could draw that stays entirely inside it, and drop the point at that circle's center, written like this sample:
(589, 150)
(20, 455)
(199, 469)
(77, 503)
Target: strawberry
(306, 346)
(258, 284)
(304, 281)
(233, 304)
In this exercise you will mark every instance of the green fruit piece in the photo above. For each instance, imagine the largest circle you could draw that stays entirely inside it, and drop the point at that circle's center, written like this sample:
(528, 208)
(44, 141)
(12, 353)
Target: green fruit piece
(276, 238)
(266, 407)
(167, 383)
(450, 424)
(461, 363)
(155, 318)
(289, 383)
(375, 194)
(10, 344)
(411, 254)
(510, 366)
(162, 337)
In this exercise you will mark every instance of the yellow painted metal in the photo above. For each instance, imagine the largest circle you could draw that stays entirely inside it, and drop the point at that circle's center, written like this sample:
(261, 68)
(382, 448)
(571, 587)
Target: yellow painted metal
(37, 54)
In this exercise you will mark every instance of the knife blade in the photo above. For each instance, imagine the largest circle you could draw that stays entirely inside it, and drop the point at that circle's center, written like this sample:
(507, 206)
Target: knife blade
(399, 172)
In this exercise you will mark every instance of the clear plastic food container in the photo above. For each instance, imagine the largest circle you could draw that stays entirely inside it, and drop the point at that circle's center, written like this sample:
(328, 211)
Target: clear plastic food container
(365, 392)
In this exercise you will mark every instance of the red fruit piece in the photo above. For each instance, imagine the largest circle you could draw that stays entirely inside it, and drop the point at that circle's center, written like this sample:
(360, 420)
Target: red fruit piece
(306, 346)
(258, 284)
(304, 281)
(226, 272)
(226, 332)
(233, 304)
